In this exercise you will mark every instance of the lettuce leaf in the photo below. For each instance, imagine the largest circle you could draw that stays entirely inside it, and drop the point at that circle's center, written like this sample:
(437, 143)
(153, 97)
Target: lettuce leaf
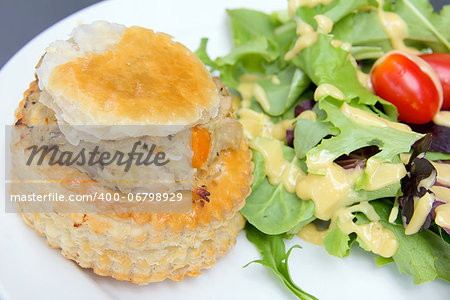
(381, 261)
(353, 136)
(252, 57)
(308, 133)
(249, 24)
(338, 243)
(283, 93)
(324, 63)
(424, 25)
(271, 208)
(362, 28)
(336, 10)
(424, 255)
(426, 28)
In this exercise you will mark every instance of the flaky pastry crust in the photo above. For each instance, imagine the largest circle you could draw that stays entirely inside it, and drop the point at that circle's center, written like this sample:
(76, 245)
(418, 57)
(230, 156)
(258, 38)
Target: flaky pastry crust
(143, 247)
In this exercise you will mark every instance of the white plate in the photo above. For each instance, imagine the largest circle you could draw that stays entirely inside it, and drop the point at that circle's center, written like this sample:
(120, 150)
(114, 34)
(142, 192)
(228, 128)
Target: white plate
(29, 269)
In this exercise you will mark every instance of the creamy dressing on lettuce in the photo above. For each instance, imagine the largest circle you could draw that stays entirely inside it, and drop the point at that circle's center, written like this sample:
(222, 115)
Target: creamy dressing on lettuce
(443, 215)
(307, 35)
(312, 235)
(368, 119)
(324, 43)
(422, 208)
(442, 118)
(294, 4)
(395, 28)
(331, 192)
(325, 90)
(375, 237)
(259, 124)
(383, 174)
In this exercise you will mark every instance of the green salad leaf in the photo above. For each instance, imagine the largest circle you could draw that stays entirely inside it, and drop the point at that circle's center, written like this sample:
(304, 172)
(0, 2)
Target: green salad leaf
(423, 255)
(424, 24)
(337, 243)
(284, 89)
(249, 24)
(324, 63)
(275, 257)
(203, 55)
(426, 28)
(433, 156)
(381, 261)
(353, 136)
(271, 208)
(261, 41)
(251, 57)
(363, 29)
(336, 10)
(307, 134)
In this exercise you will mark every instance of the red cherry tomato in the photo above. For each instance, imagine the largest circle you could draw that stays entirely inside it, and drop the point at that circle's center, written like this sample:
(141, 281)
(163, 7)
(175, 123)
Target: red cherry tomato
(410, 84)
(440, 62)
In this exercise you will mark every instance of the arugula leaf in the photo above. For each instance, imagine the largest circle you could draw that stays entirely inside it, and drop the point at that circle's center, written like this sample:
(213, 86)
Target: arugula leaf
(270, 208)
(387, 191)
(203, 55)
(288, 114)
(294, 230)
(275, 257)
(423, 255)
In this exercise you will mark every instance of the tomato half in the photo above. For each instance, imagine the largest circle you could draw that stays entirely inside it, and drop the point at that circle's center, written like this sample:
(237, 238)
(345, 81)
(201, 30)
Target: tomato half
(410, 84)
(440, 62)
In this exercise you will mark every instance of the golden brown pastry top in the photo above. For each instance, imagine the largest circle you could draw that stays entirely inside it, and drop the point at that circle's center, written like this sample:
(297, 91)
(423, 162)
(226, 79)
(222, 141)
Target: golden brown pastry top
(144, 78)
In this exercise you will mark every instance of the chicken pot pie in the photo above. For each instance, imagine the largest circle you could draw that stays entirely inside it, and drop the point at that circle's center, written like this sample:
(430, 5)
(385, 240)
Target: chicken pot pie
(109, 75)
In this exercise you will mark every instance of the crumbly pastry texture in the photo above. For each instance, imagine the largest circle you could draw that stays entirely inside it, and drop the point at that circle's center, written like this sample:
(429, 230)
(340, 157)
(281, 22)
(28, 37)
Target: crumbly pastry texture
(140, 247)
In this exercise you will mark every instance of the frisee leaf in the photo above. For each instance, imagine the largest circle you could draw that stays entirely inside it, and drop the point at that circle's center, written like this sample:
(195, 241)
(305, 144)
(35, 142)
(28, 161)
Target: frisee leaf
(275, 257)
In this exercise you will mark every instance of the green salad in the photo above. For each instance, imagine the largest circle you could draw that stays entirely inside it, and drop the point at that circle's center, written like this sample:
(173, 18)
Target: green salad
(332, 163)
